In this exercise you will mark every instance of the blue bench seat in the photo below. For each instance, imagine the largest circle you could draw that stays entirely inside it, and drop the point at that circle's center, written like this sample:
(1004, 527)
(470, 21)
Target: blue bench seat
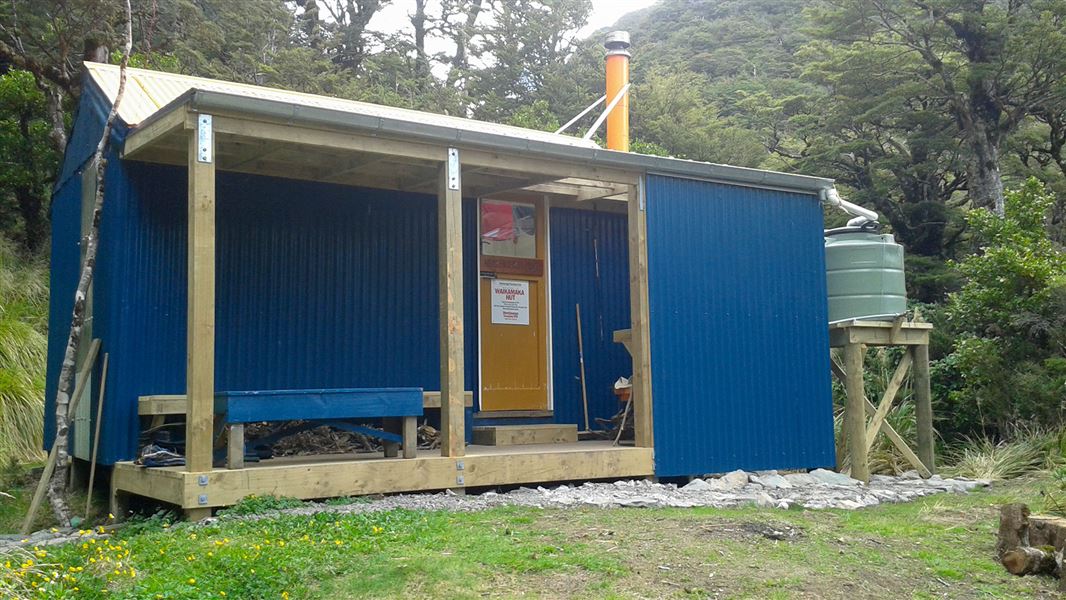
(398, 407)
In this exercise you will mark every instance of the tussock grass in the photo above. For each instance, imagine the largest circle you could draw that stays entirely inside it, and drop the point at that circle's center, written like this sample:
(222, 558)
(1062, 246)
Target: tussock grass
(1026, 452)
(23, 353)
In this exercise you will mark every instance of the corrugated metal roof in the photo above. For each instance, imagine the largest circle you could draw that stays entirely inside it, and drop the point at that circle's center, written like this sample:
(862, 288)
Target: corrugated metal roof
(149, 91)
(151, 94)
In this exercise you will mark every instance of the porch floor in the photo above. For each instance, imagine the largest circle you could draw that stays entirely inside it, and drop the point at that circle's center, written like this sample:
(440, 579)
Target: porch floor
(327, 476)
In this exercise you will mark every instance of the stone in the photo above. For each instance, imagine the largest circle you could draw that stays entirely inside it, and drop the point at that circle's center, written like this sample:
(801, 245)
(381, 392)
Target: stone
(764, 500)
(833, 478)
(772, 481)
(734, 480)
(800, 479)
(699, 485)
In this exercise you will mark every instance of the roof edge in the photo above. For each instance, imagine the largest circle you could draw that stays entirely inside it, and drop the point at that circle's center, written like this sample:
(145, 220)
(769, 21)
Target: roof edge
(295, 114)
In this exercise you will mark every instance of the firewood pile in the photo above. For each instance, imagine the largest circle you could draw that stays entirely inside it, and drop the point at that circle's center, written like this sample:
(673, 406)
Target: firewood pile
(1031, 545)
(326, 440)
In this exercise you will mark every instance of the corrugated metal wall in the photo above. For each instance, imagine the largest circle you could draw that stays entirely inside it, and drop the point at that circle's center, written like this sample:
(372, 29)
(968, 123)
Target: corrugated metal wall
(739, 341)
(318, 286)
(590, 266)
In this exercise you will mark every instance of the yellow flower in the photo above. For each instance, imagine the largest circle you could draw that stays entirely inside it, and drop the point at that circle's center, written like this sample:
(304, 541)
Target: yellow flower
(285, 595)
(192, 581)
(110, 516)
(223, 594)
(54, 530)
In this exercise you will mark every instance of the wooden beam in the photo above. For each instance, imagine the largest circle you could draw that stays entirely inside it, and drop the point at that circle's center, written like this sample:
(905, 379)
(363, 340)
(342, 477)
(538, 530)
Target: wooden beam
(640, 334)
(539, 166)
(887, 399)
(877, 333)
(333, 140)
(450, 250)
(175, 404)
(924, 407)
(900, 444)
(318, 477)
(142, 137)
(854, 412)
(200, 361)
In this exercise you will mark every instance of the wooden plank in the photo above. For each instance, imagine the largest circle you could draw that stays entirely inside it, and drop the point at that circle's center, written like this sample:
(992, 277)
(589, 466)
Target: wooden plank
(640, 334)
(410, 437)
(291, 405)
(540, 166)
(200, 362)
(887, 399)
(854, 412)
(173, 404)
(514, 435)
(898, 325)
(325, 479)
(141, 137)
(924, 408)
(432, 399)
(878, 336)
(235, 446)
(624, 337)
(450, 256)
(332, 140)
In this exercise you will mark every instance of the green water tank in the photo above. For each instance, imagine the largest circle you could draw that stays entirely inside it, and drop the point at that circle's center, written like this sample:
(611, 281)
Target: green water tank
(864, 272)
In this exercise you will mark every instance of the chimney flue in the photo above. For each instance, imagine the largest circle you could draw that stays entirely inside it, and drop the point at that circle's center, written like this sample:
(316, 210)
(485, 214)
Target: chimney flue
(617, 44)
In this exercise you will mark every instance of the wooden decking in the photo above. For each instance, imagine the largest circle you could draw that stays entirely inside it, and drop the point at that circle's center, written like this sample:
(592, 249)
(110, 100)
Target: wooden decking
(326, 476)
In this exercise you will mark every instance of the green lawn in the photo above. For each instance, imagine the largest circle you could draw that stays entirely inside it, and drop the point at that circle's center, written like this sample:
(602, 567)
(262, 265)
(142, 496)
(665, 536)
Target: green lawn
(939, 547)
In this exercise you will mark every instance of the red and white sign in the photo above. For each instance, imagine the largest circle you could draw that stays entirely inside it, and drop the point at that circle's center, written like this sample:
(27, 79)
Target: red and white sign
(510, 302)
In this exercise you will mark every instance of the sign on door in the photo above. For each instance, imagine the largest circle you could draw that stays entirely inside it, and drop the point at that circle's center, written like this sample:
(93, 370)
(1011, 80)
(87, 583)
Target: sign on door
(510, 302)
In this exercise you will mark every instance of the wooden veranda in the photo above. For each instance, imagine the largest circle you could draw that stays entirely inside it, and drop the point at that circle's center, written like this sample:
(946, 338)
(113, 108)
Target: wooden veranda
(242, 142)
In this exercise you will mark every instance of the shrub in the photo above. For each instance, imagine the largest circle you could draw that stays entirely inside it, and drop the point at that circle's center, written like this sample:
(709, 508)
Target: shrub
(23, 353)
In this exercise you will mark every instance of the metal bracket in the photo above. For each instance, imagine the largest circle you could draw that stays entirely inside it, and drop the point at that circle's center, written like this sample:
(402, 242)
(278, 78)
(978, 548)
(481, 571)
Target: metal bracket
(453, 169)
(202, 480)
(459, 465)
(202, 500)
(204, 139)
(459, 480)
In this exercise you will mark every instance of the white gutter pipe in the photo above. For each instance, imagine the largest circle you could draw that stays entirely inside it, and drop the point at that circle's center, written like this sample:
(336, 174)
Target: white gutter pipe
(862, 215)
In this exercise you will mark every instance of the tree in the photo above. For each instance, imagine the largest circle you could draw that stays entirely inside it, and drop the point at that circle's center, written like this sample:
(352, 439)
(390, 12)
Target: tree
(28, 161)
(993, 62)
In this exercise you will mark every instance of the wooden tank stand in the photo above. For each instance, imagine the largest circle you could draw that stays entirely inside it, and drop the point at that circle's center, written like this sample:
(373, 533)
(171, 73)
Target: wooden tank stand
(858, 433)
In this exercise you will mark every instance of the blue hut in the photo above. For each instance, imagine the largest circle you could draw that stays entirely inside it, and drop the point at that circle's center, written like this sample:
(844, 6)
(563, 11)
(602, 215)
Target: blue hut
(275, 256)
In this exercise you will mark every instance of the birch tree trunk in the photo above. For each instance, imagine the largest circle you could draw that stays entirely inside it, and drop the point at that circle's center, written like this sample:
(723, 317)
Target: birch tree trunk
(57, 485)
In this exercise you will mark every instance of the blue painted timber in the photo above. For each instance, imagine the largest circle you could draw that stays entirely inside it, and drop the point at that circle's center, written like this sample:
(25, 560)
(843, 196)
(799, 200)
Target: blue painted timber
(292, 405)
(739, 337)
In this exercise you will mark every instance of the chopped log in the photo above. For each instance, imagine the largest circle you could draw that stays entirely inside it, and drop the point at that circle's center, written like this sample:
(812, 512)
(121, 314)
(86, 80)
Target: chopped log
(1013, 528)
(1047, 531)
(1027, 560)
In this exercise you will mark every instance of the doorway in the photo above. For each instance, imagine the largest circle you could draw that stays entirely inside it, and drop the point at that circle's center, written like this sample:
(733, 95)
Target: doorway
(513, 306)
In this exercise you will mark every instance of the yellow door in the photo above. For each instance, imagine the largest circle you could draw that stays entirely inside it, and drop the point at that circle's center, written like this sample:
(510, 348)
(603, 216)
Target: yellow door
(514, 321)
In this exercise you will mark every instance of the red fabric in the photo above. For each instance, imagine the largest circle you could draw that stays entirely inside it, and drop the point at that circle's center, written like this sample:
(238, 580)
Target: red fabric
(497, 222)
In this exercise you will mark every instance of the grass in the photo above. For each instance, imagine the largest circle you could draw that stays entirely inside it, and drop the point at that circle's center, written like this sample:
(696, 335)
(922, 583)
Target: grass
(1027, 451)
(940, 546)
(23, 353)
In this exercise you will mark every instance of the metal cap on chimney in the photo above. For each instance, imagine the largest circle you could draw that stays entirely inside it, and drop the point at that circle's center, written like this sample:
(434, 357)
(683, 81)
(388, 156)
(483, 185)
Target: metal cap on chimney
(617, 42)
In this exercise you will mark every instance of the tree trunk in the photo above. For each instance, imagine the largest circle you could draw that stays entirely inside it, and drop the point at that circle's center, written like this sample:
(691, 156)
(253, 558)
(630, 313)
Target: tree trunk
(56, 487)
(1026, 560)
(1013, 528)
(985, 181)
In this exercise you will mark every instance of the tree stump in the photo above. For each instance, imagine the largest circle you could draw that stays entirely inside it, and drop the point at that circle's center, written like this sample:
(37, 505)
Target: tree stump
(1013, 528)
(1027, 560)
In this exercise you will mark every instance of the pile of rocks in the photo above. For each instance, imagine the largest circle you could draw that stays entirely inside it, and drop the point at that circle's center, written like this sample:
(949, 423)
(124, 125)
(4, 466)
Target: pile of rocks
(818, 489)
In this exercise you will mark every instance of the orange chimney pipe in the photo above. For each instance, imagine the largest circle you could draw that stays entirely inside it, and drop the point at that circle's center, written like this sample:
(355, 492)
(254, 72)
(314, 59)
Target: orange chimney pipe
(617, 44)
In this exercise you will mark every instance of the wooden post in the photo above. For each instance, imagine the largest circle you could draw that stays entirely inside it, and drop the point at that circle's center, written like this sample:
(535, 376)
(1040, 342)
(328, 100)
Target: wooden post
(200, 360)
(640, 340)
(450, 249)
(855, 412)
(923, 406)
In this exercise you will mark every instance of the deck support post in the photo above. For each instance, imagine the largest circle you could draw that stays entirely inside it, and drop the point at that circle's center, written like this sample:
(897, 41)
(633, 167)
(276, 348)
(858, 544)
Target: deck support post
(855, 412)
(640, 340)
(200, 357)
(923, 406)
(450, 250)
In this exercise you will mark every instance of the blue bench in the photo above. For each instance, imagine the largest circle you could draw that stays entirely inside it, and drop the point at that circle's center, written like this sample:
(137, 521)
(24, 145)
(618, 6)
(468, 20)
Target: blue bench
(398, 407)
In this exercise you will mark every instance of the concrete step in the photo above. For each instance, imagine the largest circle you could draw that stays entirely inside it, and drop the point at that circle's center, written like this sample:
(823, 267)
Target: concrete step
(514, 435)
